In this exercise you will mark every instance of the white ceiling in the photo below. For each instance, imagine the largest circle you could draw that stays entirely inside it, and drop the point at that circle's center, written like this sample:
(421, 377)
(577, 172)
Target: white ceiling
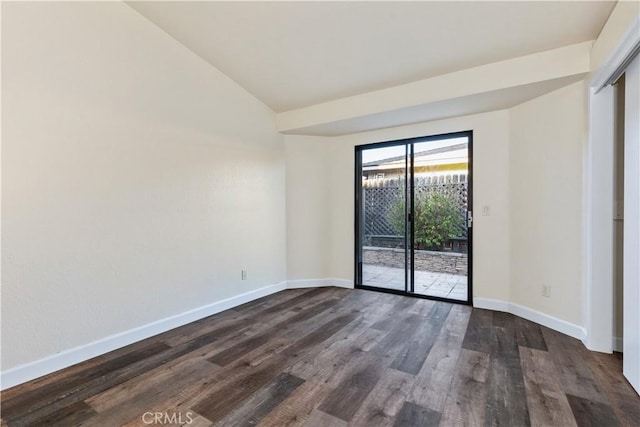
(296, 54)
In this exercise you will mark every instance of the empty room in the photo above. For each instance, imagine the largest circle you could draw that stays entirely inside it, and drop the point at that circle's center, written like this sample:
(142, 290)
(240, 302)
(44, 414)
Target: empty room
(320, 213)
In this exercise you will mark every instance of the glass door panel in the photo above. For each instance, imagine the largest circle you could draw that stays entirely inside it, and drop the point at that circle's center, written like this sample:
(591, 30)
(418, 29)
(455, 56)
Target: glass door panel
(382, 258)
(439, 248)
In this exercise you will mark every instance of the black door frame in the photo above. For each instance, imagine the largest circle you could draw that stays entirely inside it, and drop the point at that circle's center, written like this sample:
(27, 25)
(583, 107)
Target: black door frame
(409, 231)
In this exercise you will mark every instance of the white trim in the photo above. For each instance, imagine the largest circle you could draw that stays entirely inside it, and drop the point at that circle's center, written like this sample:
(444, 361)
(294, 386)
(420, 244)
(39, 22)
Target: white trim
(617, 344)
(587, 218)
(491, 304)
(551, 322)
(554, 323)
(625, 47)
(317, 283)
(66, 358)
(598, 250)
(598, 196)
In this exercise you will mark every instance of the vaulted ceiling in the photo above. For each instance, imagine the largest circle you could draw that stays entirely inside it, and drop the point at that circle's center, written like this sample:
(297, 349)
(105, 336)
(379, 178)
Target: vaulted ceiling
(293, 55)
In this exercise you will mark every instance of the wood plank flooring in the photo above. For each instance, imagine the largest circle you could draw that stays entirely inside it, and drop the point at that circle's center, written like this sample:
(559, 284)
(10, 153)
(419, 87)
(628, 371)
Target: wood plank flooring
(334, 358)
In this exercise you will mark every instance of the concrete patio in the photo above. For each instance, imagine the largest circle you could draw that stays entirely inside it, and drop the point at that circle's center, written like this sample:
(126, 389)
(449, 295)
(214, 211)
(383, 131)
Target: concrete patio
(443, 285)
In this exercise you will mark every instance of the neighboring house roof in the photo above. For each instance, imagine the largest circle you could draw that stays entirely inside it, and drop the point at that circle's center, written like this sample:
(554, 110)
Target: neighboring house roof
(450, 155)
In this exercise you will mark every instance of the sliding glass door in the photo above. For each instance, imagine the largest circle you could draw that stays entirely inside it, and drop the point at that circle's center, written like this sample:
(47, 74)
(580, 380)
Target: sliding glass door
(413, 216)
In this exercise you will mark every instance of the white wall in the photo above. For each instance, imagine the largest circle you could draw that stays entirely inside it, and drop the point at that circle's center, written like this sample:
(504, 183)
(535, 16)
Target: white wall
(308, 206)
(547, 137)
(491, 185)
(137, 180)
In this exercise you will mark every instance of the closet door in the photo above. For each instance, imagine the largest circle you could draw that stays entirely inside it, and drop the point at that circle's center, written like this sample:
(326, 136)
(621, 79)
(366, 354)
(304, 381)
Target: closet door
(631, 233)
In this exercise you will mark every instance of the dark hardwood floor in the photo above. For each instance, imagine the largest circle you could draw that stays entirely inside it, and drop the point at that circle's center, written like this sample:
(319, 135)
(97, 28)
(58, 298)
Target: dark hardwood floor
(335, 357)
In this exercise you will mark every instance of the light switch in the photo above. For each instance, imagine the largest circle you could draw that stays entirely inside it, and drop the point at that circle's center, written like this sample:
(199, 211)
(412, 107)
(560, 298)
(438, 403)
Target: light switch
(485, 210)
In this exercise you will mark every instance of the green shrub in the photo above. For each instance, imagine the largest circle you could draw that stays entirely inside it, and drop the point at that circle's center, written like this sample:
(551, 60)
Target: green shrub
(396, 217)
(437, 219)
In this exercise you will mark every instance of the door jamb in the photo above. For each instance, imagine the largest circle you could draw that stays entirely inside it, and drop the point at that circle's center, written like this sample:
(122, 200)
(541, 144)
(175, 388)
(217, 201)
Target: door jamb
(598, 230)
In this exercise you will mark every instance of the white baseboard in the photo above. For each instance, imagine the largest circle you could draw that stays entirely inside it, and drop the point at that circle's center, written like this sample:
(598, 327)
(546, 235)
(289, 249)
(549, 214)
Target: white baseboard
(316, 283)
(491, 304)
(617, 344)
(551, 322)
(66, 358)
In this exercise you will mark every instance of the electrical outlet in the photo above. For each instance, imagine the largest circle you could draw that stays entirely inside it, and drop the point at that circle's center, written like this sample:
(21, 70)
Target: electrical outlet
(546, 291)
(244, 274)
